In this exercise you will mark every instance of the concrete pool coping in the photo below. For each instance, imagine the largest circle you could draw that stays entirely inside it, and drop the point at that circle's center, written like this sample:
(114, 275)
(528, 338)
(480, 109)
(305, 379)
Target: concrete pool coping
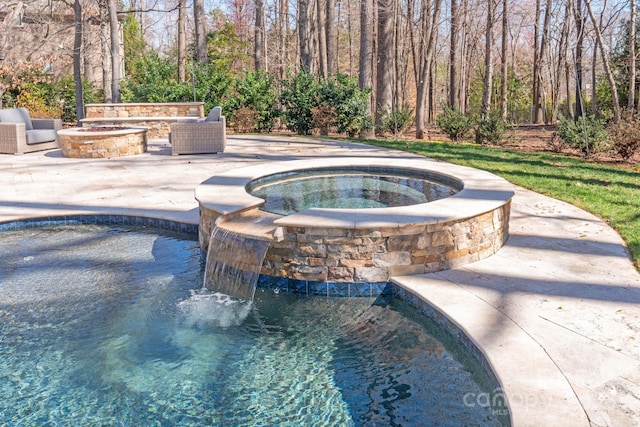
(556, 310)
(482, 192)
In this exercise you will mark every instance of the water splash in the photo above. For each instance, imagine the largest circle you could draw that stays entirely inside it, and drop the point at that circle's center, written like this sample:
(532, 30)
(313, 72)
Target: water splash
(205, 309)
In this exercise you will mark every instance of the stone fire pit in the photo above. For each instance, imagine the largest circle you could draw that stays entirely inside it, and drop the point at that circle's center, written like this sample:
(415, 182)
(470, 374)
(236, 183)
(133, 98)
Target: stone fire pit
(103, 141)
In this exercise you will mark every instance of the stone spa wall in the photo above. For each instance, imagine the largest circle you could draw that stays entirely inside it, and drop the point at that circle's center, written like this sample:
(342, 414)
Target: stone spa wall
(364, 245)
(348, 255)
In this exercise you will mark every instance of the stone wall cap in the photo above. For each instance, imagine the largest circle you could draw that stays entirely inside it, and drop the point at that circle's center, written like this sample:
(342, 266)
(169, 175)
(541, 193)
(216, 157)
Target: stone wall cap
(482, 192)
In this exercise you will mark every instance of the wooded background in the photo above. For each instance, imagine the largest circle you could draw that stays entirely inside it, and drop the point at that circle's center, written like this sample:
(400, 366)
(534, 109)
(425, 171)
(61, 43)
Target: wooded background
(524, 60)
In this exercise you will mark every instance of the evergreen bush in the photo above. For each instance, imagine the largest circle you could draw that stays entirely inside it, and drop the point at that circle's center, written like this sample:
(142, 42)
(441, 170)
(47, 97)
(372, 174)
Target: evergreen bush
(255, 92)
(398, 121)
(454, 123)
(299, 95)
(350, 104)
(490, 130)
(587, 133)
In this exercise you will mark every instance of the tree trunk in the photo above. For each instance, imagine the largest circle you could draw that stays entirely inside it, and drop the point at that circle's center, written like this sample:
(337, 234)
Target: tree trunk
(568, 81)
(283, 33)
(365, 76)
(182, 41)
(106, 58)
(77, 49)
(536, 116)
(488, 61)
(114, 31)
(606, 65)
(384, 66)
(580, 22)
(425, 63)
(632, 57)
(504, 69)
(453, 56)
(303, 34)
(397, 58)
(560, 66)
(465, 67)
(594, 76)
(365, 66)
(322, 38)
(260, 62)
(200, 19)
(543, 47)
(332, 40)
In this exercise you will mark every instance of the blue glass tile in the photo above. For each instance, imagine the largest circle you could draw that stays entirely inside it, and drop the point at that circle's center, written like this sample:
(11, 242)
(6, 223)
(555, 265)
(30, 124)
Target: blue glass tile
(380, 288)
(360, 290)
(299, 287)
(100, 219)
(317, 288)
(338, 289)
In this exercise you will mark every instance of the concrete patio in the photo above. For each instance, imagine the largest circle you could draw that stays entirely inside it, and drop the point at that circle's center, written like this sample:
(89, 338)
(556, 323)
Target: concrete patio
(556, 310)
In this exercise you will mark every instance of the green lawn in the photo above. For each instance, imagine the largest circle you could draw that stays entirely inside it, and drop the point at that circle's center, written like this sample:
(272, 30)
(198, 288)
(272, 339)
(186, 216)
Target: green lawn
(612, 193)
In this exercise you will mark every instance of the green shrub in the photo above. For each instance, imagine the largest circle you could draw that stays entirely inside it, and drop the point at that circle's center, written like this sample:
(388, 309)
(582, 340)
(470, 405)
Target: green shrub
(351, 104)
(625, 136)
(490, 130)
(336, 102)
(157, 81)
(298, 97)
(67, 90)
(354, 116)
(255, 91)
(398, 121)
(587, 133)
(454, 123)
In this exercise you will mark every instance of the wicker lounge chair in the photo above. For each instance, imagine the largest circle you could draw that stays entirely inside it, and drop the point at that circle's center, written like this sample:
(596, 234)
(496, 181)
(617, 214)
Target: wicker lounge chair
(19, 133)
(207, 135)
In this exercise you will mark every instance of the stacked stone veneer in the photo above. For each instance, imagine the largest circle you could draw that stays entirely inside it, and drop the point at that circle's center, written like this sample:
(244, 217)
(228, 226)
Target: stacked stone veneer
(364, 255)
(78, 144)
(157, 117)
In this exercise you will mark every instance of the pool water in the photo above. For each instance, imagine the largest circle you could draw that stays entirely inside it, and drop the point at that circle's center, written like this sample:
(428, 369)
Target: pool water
(288, 193)
(110, 326)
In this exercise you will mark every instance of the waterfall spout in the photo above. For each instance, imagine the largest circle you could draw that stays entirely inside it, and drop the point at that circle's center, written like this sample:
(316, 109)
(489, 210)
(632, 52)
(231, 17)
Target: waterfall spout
(236, 251)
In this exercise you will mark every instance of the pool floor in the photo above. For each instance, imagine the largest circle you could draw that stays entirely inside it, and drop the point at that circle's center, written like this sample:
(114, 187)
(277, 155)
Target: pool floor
(102, 325)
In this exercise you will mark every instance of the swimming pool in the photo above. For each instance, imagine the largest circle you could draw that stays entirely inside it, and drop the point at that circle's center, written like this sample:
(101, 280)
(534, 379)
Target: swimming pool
(104, 324)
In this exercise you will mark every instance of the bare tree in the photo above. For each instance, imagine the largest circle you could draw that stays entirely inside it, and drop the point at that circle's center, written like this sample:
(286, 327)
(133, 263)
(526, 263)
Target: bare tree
(540, 45)
(504, 69)
(561, 64)
(260, 61)
(283, 41)
(605, 63)
(114, 31)
(402, 51)
(577, 54)
(321, 38)
(303, 34)
(488, 60)
(182, 41)
(454, 91)
(429, 17)
(384, 65)
(106, 51)
(201, 30)
(632, 56)
(77, 59)
(365, 75)
(332, 41)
